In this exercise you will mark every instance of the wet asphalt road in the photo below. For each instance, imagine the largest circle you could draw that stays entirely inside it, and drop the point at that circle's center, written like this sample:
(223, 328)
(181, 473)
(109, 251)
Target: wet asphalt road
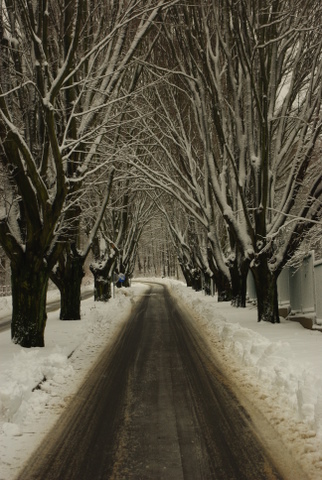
(155, 406)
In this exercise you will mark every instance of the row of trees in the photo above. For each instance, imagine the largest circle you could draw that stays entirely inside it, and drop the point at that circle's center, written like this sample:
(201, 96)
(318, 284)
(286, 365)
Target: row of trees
(208, 113)
(236, 125)
(68, 70)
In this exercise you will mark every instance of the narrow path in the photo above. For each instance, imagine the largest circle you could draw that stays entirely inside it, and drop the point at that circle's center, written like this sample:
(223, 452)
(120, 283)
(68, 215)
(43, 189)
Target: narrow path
(155, 406)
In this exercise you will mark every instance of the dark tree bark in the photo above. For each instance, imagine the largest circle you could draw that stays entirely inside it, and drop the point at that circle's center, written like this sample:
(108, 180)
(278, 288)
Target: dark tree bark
(266, 291)
(223, 287)
(196, 280)
(29, 281)
(185, 272)
(102, 287)
(68, 278)
(207, 285)
(102, 273)
(238, 272)
(221, 280)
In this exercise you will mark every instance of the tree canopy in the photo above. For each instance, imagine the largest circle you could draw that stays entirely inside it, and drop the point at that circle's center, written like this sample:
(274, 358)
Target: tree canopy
(207, 113)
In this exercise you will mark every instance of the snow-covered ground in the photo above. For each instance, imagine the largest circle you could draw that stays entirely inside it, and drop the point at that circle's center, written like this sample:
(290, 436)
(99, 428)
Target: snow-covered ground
(277, 366)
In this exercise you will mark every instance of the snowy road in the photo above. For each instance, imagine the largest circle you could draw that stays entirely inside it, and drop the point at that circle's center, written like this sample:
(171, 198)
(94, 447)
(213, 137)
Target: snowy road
(155, 406)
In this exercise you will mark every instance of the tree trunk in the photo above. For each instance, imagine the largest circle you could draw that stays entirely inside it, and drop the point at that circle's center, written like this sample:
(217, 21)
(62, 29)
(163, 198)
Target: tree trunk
(223, 286)
(238, 273)
(102, 280)
(68, 278)
(29, 282)
(207, 283)
(221, 280)
(196, 280)
(266, 291)
(102, 287)
(185, 272)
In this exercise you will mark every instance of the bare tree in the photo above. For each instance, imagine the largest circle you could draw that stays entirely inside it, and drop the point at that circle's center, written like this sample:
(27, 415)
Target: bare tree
(69, 269)
(253, 70)
(172, 160)
(62, 68)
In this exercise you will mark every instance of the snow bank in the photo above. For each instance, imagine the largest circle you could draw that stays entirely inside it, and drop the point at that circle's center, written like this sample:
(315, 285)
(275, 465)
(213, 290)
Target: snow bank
(279, 367)
(25, 375)
(36, 384)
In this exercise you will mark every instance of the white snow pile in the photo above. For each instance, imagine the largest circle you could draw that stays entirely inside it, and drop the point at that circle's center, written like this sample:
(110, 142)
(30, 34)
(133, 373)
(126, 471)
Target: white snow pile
(278, 366)
(27, 384)
(36, 384)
